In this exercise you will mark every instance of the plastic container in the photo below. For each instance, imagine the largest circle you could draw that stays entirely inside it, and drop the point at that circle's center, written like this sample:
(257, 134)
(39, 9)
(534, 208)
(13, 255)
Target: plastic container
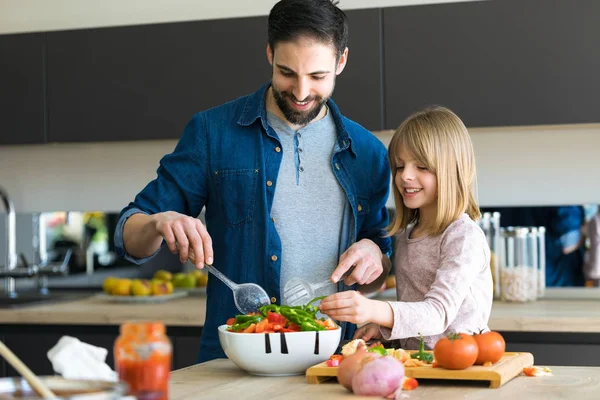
(490, 225)
(541, 261)
(143, 355)
(519, 272)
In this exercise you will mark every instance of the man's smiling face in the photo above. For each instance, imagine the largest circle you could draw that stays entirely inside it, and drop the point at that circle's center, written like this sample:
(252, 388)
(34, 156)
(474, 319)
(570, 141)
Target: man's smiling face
(304, 73)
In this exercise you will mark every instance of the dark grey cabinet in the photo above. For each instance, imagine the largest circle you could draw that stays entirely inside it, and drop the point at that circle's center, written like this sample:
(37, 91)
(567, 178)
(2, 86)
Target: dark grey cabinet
(146, 82)
(358, 91)
(496, 63)
(22, 86)
(31, 344)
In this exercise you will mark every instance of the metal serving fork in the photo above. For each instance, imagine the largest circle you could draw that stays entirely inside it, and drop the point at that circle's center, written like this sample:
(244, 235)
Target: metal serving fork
(298, 291)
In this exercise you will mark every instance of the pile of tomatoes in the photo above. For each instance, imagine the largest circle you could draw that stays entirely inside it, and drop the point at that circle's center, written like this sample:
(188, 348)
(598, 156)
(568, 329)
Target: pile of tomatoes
(461, 350)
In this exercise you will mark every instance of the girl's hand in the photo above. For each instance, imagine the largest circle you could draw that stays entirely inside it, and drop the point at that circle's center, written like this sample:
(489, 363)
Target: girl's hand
(350, 306)
(368, 332)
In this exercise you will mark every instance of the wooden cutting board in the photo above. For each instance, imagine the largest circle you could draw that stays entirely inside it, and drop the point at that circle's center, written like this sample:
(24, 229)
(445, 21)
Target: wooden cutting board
(508, 367)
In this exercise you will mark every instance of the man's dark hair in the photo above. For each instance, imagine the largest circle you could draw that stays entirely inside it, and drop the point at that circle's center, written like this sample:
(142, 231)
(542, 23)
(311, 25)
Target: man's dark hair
(318, 19)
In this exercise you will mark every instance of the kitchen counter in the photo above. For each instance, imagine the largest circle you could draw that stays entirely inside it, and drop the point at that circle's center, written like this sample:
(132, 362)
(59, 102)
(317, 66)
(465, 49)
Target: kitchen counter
(560, 315)
(221, 379)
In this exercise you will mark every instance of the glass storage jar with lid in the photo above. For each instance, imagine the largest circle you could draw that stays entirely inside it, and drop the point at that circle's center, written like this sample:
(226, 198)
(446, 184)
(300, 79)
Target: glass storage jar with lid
(519, 270)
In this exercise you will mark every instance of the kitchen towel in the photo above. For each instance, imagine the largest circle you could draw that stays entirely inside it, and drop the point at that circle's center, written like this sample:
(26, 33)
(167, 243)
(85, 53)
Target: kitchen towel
(74, 359)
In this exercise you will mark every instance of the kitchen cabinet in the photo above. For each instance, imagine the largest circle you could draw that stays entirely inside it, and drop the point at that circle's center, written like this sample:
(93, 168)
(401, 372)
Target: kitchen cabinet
(31, 343)
(22, 89)
(495, 63)
(358, 91)
(146, 82)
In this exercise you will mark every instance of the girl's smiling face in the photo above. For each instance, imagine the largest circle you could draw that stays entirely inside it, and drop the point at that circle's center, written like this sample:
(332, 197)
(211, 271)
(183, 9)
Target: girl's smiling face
(417, 185)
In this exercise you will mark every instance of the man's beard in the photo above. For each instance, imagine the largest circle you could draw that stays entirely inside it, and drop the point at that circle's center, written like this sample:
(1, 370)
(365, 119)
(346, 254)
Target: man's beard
(294, 116)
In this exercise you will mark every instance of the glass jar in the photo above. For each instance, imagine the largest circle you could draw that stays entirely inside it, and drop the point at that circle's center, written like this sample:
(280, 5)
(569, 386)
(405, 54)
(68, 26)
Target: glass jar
(541, 261)
(143, 354)
(494, 247)
(518, 275)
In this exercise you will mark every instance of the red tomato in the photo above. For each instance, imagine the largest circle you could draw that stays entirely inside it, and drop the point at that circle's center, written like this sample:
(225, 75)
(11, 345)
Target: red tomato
(456, 351)
(293, 327)
(491, 347)
(276, 318)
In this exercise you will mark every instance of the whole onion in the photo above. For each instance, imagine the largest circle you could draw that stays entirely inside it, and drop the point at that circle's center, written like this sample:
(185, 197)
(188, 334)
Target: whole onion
(380, 377)
(350, 365)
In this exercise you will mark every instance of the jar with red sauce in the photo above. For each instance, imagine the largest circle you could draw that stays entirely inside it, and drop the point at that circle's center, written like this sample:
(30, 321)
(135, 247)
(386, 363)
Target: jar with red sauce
(143, 355)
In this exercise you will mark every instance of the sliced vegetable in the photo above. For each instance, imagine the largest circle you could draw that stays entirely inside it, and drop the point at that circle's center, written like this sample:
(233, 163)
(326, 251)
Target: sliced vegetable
(274, 318)
(332, 363)
(421, 354)
(537, 371)
(378, 349)
(409, 383)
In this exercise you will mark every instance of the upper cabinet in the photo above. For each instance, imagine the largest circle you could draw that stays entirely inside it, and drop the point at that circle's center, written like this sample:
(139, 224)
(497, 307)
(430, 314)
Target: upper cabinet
(22, 86)
(495, 63)
(358, 90)
(146, 82)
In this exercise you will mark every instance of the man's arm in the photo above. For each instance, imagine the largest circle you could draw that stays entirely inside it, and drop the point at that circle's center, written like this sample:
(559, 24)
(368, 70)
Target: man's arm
(140, 237)
(166, 207)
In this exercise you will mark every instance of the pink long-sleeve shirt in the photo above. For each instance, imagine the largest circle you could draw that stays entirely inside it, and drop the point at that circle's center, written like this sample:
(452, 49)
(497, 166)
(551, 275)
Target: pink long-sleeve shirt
(443, 284)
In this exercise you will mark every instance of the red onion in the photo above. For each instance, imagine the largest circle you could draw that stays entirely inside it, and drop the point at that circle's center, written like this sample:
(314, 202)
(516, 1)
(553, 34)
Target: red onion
(351, 364)
(379, 377)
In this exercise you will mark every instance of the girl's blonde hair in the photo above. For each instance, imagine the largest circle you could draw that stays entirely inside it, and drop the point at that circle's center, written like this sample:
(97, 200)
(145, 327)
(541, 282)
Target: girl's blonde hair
(438, 140)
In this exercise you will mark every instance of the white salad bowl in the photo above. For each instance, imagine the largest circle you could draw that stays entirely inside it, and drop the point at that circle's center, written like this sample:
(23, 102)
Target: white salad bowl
(279, 354)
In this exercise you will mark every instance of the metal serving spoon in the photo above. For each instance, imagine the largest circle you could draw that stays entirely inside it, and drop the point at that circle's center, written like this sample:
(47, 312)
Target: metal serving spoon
(248, 297)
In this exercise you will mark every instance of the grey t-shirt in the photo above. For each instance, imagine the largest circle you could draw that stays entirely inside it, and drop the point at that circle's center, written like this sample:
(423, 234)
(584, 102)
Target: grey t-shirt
(308, 205)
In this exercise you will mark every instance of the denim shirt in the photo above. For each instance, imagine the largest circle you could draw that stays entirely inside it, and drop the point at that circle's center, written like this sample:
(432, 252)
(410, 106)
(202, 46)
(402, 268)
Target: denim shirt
(227, 161)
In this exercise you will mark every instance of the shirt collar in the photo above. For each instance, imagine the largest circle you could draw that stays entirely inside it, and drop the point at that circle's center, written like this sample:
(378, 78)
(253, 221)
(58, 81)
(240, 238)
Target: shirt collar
(256, 107)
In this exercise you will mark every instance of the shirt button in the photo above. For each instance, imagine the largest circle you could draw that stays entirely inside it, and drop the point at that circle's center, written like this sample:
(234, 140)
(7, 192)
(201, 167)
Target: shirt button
(269, 183)
(273, 299)
(278, 149)
(299, 149)
(273, 219)
(274, 257)
(359, 208)
(301, 169)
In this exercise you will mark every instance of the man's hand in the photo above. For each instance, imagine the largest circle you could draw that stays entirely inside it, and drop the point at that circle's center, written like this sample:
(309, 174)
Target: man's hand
(366, 257)
(184, 234)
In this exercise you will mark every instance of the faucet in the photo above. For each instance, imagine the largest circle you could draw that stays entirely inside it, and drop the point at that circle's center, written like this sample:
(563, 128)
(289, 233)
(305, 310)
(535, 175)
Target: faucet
(11, 231)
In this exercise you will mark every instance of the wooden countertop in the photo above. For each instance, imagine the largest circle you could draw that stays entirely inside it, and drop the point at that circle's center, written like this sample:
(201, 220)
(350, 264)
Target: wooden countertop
(560, 315)
(221, 379)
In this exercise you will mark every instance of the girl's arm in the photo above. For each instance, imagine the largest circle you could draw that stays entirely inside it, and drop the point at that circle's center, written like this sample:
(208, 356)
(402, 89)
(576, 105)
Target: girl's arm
(464, 255)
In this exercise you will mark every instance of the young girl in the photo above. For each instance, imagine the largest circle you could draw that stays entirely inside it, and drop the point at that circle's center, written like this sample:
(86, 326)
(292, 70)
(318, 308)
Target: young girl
(442, 260)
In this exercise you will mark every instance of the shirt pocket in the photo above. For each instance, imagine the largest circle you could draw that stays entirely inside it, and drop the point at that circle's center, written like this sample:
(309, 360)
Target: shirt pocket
(236, 190)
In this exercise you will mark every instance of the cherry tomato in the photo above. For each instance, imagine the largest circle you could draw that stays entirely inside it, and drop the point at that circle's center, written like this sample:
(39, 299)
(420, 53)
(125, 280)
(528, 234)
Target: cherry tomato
(491, 347)
(456, 351)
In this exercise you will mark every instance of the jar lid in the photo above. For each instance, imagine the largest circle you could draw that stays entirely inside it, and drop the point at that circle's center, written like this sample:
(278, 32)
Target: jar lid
(142, 327)
(513, 231)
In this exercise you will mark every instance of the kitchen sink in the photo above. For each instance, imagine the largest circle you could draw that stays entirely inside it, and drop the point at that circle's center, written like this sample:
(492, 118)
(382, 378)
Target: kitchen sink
(27, 298)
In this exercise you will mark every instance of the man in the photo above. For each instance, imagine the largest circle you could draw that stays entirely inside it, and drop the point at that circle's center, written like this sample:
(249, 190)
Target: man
(290, 186)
